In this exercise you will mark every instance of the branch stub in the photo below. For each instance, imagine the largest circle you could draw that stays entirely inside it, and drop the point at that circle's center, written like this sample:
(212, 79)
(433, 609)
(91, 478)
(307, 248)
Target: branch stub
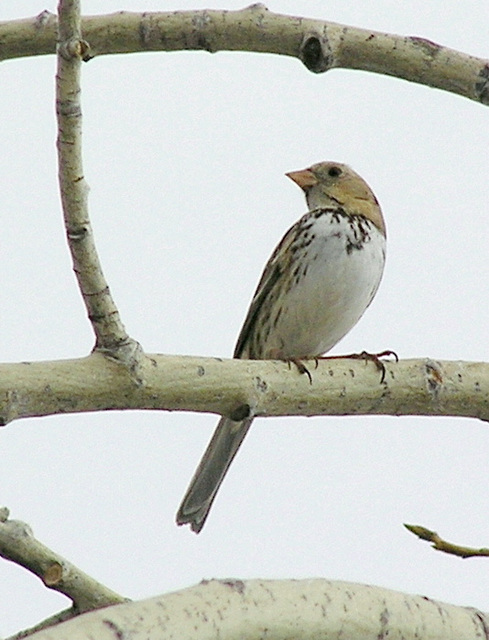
(315, 52)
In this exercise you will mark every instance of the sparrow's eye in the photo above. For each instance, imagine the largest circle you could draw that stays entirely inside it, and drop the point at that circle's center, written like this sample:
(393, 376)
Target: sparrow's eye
(334, 172)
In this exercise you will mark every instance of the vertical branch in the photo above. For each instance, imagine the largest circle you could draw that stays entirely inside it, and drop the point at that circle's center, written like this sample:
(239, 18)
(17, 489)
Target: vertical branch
(111, 337)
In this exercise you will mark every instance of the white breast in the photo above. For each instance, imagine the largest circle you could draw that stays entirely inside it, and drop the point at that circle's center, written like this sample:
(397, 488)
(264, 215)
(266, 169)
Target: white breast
(337, 276)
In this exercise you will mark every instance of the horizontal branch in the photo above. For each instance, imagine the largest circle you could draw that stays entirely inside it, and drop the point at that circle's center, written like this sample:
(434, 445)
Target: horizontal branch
(245, 387)
(306, 609)
(320, 45)
(440, 544)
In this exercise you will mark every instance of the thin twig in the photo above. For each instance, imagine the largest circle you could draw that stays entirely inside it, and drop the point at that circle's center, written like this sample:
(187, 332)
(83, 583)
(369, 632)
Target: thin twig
(443, 545)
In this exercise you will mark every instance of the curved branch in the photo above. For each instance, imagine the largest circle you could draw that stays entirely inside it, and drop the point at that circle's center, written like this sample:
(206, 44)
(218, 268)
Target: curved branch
(254, 387)
(320, 45)
(306, 609)
(111, 336)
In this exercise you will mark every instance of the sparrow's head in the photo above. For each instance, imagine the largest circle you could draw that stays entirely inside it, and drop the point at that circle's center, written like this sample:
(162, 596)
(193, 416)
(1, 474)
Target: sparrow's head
(333, 183)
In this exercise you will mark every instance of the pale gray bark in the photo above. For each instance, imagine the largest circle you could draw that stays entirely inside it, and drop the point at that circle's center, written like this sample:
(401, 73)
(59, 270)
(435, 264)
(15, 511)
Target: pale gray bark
(278, 610)
(118, 375)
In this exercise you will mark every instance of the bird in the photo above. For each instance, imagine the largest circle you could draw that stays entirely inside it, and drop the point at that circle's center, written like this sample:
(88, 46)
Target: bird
(318, 282)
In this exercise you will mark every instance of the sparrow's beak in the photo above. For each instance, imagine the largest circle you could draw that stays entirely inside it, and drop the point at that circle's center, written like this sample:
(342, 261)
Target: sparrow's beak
(305, 178)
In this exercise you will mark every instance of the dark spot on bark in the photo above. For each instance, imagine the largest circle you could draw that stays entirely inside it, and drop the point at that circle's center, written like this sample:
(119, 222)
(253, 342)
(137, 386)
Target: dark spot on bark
(429, 48)
(261, 385)
(315, 53)
(235, 585)
(240, 413)
(482, 86)
(118, 632)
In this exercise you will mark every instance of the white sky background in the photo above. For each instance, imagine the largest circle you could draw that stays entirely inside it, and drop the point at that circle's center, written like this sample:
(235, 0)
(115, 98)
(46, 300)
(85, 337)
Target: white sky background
(185, 155)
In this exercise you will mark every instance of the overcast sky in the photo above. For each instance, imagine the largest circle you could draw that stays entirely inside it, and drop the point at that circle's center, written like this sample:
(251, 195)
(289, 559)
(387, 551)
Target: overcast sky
(185, 154)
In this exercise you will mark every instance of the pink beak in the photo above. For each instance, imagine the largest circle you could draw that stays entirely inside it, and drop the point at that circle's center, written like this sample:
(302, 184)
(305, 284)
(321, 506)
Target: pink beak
(304, 178)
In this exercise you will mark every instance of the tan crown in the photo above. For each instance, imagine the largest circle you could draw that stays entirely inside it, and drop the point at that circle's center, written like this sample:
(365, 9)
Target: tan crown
(327, 183)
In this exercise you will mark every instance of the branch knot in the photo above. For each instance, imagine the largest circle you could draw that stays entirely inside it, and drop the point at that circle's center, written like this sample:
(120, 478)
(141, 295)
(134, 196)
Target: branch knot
(75, 48)
(315, 52)
(482, 86)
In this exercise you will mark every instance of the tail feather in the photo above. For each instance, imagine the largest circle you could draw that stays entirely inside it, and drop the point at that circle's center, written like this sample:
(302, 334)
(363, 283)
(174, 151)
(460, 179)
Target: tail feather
(210, 473)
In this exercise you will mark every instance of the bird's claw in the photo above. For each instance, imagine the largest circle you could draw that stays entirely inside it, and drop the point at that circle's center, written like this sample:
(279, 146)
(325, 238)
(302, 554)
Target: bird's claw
(373, 357)
(301, 367)
(376, 359)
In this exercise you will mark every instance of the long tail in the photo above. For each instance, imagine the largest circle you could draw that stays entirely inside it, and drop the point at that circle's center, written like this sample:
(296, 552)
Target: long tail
(208, 476)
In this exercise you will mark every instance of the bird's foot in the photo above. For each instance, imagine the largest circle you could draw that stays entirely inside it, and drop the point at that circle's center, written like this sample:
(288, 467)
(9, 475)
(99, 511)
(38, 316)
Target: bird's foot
(301, 367)
(364, 355)
(277, 354)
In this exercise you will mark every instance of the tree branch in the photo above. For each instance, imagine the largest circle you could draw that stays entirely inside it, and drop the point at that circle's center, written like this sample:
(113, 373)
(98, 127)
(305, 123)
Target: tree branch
(18, 544)
(306, 609)
(260, 387)
(443, 545)
(111, 337)
(320, 45)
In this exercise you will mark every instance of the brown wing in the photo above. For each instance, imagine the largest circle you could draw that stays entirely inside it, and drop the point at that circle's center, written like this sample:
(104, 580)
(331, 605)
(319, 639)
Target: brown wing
(271, 274)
